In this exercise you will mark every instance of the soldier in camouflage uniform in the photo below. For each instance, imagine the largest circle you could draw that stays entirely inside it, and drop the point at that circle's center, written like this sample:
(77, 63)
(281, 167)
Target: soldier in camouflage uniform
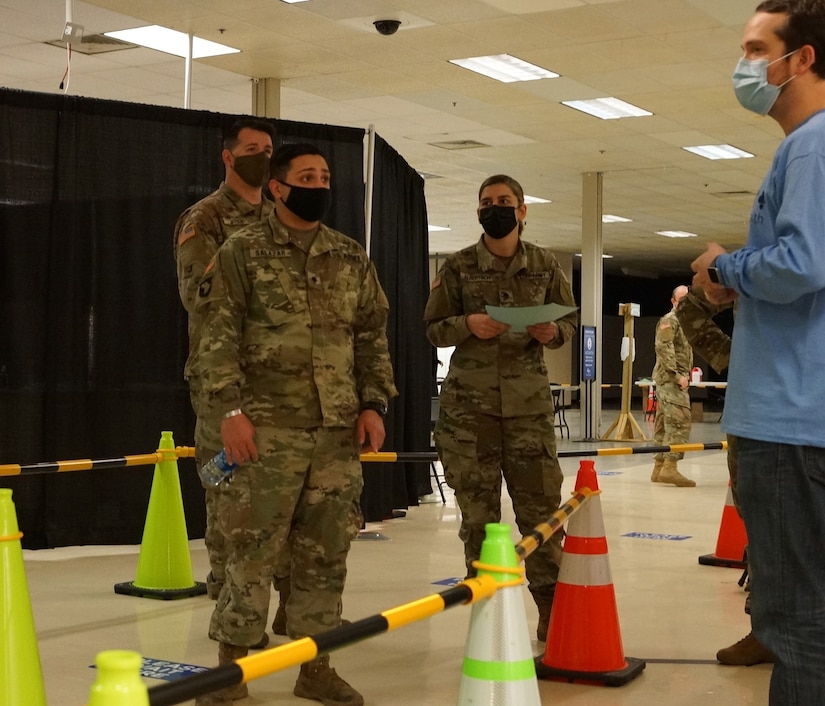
(674, 359)
(695, 314)
(496, 413)
(294, 355)
(201, 229)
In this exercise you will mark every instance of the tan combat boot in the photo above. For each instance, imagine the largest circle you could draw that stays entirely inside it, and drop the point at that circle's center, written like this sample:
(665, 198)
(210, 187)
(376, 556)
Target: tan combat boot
(224, 697)
(747, 652)
(657, 469)
(669, 474)
(319, 681)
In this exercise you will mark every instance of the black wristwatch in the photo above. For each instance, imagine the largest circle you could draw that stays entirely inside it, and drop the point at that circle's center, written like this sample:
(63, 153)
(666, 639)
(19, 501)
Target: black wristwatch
(375, 406)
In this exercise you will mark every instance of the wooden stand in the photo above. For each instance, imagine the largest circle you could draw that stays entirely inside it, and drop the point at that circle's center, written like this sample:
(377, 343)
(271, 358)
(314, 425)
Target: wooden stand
(625, 426)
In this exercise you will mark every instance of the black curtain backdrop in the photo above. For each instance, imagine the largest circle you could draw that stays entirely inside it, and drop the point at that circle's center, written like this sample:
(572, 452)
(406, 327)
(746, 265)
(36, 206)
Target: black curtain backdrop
(399, 247)
(93, 338)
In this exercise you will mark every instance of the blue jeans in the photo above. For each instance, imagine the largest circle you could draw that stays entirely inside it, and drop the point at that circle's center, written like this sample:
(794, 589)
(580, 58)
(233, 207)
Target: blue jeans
(782, 493)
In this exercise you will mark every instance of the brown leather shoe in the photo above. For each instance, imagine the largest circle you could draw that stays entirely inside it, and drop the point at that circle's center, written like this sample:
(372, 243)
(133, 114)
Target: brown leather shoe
(745, 653)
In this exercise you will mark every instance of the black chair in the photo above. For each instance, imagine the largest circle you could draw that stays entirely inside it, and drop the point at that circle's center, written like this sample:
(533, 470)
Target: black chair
(434, 409)
(559, 420)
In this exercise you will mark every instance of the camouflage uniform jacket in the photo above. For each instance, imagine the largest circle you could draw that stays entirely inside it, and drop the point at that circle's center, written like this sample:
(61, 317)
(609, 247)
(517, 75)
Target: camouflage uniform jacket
(695, 314)
(503, 376)
(201, 229)
(674, 356)
(293, 345)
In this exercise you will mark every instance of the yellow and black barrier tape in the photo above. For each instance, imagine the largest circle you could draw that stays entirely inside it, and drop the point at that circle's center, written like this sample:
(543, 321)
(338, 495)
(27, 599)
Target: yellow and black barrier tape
(542, 532)
(14, 469)
(86, 464)
(299, 651)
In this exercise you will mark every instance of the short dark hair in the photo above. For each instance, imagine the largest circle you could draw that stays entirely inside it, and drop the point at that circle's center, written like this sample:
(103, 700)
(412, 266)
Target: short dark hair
(230, 135)
(283, 156)
(515, 187)
(805, 25)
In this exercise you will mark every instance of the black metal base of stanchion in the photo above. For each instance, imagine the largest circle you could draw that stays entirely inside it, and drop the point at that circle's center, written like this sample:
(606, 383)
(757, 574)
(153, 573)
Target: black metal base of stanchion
(164, 594)
(713, 560)
(618, 677)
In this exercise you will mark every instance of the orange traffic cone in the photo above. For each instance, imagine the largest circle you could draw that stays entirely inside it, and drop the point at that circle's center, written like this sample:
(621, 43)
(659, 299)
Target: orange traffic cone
(584, 643)
(21, 680)
(650, 410)
(732, 540)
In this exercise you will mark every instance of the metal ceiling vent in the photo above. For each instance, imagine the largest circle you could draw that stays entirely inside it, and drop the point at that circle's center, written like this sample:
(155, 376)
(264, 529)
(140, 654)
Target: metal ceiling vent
(458, 144)
(95, 44)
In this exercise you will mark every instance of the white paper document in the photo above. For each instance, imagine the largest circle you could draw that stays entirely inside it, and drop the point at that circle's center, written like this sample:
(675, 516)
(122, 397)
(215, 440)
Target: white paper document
(520, 317)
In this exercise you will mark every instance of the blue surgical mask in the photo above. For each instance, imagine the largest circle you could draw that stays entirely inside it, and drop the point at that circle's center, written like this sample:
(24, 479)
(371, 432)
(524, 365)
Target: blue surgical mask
(750, 84)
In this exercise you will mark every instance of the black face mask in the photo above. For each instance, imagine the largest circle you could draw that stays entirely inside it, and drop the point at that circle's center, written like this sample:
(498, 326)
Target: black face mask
(252, 168)
(498, 221)
(308, 204)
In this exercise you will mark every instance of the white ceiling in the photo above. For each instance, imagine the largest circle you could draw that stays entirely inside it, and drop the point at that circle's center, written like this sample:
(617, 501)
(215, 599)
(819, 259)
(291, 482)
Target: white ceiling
(671, 57)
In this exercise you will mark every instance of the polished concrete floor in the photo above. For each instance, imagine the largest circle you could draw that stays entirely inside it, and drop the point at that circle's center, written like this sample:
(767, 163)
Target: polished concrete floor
(674, 613)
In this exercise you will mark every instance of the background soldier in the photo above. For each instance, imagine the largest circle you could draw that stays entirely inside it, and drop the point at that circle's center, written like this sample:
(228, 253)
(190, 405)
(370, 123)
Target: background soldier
(496, 406)
(674, 359)
(201, 229)
(294, 353)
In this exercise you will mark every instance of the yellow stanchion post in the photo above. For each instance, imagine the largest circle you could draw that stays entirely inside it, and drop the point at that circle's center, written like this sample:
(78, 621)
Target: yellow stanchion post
(164, 567)
(21, 679)
(118, 681)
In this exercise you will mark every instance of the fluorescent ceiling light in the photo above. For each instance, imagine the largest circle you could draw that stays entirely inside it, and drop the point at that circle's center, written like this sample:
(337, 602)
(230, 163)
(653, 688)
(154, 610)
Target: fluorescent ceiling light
(290, 2)
(607, 108)
(505, 68)
(535, 199)
(604, 256)
(676, 234)
(171, 41)
(608, 218)
(433, 229)
(718, 152)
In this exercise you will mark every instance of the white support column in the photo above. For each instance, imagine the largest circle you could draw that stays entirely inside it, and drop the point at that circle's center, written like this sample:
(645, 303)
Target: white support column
(187, 78)
(591, 297)
(369, 173)
(266, 97)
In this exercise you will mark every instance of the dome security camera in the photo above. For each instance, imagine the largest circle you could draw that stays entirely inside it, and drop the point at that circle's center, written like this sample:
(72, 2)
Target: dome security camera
(387, 27)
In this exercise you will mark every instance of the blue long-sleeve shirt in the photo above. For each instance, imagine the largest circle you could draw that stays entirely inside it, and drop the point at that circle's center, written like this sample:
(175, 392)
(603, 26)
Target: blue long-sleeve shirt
(776, 381)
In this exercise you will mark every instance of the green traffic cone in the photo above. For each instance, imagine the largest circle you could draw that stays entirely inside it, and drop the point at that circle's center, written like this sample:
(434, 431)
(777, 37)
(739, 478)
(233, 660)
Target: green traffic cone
(118, 680)
(21, 679)
(164, 566)
(498, 666)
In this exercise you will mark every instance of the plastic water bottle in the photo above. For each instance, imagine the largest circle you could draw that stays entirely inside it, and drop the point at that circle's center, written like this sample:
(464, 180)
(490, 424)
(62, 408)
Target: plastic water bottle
(217, 469)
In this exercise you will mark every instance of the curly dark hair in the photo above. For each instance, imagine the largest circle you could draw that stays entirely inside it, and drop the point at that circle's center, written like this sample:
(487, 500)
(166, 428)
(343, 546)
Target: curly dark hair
(805, 25)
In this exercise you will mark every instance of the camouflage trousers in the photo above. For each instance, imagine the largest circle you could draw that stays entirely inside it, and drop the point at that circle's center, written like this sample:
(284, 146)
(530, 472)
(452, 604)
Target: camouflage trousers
(477, 450)
(300, 494)
(672, 422)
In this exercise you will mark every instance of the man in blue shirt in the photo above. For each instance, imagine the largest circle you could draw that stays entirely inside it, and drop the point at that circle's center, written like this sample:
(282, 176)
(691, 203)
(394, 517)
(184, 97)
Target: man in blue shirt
(776, 381)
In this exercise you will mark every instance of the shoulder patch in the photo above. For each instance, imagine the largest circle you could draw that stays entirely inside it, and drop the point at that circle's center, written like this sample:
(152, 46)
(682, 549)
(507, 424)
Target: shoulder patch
(664, 325)
(436, 282)
(186, 233)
